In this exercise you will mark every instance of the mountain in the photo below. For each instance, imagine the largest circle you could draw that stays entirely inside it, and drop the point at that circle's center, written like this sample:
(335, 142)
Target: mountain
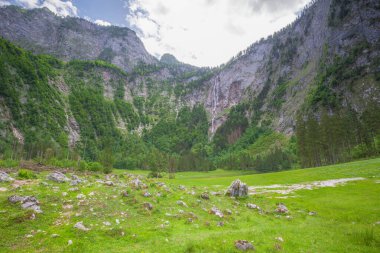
(43, 32)
(106, 95)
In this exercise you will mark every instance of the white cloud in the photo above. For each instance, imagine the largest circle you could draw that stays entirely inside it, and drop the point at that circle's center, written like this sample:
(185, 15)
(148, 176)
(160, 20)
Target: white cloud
(102, 22)
(59, 7)
(207, 32)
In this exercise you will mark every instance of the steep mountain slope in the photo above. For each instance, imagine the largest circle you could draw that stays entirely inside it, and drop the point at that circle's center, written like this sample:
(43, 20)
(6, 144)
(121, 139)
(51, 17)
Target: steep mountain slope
(41, 31)
(278, 74)
(240, 114)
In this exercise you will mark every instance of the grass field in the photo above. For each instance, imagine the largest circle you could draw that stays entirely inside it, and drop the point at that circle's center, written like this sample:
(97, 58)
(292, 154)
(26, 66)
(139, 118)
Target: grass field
(347, 216)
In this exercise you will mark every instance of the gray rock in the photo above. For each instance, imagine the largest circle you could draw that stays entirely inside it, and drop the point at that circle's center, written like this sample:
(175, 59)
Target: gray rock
(137, 184)
(148, 206)
(182, 187)
(237, 189)
(181, 203)
(214, 210)
(75, 180)
(147, 194)
(4, 177)
(244, 245)
(27, 202)
(253, 206)
(80, 226)
(109, 183)
(281, 208)
(58, 177)
(205, 196)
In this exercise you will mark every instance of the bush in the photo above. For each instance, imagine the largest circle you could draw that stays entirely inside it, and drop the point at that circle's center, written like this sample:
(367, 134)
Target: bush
(8, 163)
(82, 166)
(26, 174)
(95, 166)
(107, 170)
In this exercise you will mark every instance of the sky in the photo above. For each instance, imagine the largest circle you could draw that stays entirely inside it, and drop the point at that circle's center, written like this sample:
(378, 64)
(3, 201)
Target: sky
(198, 32)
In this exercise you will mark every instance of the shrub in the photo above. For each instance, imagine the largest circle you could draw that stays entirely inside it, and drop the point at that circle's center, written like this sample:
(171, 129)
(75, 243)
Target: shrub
(9, 163)
(95, 166)
(26, 174)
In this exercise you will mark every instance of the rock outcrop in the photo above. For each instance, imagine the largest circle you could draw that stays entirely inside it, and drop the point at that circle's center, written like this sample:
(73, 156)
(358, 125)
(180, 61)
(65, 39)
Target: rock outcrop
(237, 189)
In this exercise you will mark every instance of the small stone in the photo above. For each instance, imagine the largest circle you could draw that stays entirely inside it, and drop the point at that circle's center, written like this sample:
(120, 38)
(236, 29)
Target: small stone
(281, 208)
(54, 235)
(64, 194)
(70, 242)
(216, 211)
(189, 220)
(117, 221)
(181, 203)
(81, 196)
(253, 206)
(91, 194)
(312, 213)
(147, 194)
(148, 206)
(244, 245)
(280, 239)
(28, 236)
(125, 194)
(107, 223)
(74, 189)
(220, 224)
(182, 187)
(228, 211)
(205, 196)
(80, 226)
(109, 183)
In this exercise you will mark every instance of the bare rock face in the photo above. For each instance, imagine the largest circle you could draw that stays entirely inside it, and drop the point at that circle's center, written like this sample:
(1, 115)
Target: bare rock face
(244, 245)
(237, 189)
(4, 177)
(58, 177)
(69, 38)
(27, 202)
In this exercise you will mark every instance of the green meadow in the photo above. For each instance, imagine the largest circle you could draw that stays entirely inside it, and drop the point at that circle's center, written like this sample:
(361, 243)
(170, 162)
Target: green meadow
(341, 218)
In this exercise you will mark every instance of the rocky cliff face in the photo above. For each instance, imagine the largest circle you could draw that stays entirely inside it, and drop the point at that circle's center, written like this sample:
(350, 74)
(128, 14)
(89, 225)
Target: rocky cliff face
(41, 31)
(288, 62)
(274, 76)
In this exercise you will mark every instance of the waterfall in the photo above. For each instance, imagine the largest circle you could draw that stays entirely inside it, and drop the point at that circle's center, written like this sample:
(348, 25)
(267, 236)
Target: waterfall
(215, 101)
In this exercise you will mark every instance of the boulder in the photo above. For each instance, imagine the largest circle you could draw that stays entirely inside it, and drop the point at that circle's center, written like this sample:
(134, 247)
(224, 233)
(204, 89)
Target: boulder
(58, 177)
(237, 189)
(244, 245)
(27, 202)
(4, 177)
(281, 208)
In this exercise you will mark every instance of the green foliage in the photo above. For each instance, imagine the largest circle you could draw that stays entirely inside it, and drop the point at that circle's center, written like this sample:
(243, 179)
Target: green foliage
(26, 174)
(95, 166)
(9, 163)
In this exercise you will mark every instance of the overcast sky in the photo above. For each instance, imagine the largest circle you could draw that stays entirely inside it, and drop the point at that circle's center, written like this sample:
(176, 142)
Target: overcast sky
(199, 32)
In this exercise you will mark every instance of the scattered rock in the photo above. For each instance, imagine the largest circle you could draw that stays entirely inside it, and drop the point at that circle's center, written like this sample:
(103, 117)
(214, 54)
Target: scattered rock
(54, 235)
(3, 189)
(216, 193)
(220, 224)
(161, 184)
(64, 194)
(80, 226)
(106, 223)
(81, 196)
(75, 180)
(280, 239)
(138, 184)
(147, 194)
(244, 245)
(117, 221)
(28, 236)
(4, 177)
(58, 177)
(182, 187)
(189, 220)
(181, 203)
(91, 194)
(205, 196)
(216, 211)
(125, 194)
(228, 211)
(281, 208)
(109, 183)
(312, 213)
(148, 206)
(237, 189)
(74, 189)
(44, 184)
(69, 242)
(253, 206)
(27, 202)
(67, 207)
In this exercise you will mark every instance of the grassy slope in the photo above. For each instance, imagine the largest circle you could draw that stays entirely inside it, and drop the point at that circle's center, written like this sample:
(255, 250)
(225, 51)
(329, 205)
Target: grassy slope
(345, 220)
